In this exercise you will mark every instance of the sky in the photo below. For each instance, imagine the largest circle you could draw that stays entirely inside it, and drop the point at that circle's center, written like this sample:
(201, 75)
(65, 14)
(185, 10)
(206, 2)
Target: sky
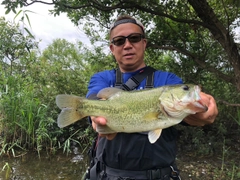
(46, 27)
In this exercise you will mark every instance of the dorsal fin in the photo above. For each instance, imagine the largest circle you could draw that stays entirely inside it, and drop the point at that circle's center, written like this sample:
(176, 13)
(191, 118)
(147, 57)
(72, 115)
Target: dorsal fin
(107, 93)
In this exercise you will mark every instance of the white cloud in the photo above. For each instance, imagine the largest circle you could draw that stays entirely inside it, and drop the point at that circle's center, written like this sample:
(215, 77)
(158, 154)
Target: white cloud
(46, 27)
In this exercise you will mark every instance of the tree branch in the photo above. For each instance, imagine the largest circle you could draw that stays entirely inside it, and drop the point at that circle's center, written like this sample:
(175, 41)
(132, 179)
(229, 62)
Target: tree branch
(124, 4)
(200, 62)
(220, 34)
(43, 2)
(227, 103)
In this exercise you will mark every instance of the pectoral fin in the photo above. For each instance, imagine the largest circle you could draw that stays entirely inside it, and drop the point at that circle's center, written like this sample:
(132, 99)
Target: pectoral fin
(154, 135)
(151, 116)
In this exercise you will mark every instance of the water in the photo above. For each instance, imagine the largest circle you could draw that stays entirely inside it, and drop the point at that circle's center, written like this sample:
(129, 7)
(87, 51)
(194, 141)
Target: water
(48, 167)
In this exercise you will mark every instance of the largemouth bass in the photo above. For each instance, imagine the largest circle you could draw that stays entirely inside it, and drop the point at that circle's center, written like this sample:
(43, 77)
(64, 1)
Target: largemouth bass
(148, 110)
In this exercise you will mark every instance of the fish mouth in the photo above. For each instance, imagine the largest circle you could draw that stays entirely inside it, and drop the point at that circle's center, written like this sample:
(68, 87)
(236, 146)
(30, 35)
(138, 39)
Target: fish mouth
(195, 101)
(191, 102)
(197, 107)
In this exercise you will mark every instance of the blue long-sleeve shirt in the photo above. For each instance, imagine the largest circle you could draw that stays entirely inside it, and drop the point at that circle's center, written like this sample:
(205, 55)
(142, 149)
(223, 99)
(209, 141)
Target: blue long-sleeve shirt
(133, 151)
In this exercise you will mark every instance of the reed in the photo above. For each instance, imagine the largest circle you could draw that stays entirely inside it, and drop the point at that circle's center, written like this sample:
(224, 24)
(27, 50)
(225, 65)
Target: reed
(25, 123)
(7, 168)
(69, 141)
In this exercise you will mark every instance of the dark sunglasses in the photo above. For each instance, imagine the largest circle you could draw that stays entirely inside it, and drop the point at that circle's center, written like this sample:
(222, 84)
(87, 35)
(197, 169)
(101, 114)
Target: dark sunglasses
(132, 38)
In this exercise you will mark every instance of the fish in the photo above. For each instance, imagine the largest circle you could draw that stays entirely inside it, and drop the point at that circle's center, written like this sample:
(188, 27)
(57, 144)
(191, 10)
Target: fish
(147, 110)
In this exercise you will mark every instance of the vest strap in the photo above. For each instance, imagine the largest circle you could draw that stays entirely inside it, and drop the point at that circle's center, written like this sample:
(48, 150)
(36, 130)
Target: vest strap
(134, 81)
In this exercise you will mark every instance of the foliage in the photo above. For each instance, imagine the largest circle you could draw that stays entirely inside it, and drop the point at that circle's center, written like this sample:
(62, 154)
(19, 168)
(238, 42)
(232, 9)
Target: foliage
(29, 84)
(201, 33)
(13, 46)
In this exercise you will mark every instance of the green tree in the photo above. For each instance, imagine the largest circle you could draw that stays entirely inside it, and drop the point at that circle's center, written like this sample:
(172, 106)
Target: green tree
(201, 31)
(28, 106)
(65, 67)
(14, 45)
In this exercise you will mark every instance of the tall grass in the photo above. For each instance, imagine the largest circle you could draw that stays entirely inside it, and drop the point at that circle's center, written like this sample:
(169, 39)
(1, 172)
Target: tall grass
(25, 123)
(7, 168)
(237, 118)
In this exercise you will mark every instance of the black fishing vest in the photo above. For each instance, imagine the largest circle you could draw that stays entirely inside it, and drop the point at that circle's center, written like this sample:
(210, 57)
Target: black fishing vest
(140, 155)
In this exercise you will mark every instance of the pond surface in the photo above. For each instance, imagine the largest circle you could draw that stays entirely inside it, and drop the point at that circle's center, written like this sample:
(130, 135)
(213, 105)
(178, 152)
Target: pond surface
(47, 167)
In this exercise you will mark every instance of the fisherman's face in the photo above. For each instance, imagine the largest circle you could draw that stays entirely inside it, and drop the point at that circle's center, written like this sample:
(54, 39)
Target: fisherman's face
(129, 56)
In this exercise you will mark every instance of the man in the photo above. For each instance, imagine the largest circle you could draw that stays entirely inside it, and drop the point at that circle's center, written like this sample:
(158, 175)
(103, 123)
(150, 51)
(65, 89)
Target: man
(130, 155)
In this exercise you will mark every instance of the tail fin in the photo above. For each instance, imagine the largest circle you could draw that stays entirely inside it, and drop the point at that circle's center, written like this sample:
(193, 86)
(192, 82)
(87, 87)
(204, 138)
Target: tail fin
(71, 101)
(68, 116)
(70, 109)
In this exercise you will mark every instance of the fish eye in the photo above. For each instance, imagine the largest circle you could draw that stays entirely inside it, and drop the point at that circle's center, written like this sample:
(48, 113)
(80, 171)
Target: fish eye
(185, 87)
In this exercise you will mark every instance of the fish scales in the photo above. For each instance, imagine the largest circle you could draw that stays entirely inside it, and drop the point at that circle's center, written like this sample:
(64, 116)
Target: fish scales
(120, 110)
(131, 109)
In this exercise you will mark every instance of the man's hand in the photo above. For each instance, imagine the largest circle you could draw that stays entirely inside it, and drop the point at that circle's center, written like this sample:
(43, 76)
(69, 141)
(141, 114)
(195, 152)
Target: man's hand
(101, 121)
(208, 117)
